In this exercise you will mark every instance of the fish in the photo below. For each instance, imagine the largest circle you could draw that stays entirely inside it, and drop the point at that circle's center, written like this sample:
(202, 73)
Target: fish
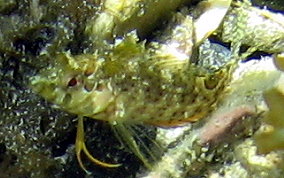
(130, 85)
(132, 82)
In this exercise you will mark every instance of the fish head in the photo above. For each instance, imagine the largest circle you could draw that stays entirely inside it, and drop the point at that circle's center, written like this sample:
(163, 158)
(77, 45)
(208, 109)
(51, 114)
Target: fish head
(72, 82)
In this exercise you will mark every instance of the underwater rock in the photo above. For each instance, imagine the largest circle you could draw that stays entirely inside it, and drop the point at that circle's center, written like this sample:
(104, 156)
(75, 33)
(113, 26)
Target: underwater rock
(37, 138)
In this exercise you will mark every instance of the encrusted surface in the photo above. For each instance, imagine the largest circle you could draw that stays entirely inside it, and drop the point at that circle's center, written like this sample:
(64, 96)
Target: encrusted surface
(37, 137)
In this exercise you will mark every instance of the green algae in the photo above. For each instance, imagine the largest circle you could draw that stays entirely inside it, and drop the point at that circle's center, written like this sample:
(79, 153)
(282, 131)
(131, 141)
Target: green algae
(44, 127)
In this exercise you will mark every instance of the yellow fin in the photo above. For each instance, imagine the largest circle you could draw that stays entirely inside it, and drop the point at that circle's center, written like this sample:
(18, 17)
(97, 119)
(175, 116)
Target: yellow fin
(81, 146)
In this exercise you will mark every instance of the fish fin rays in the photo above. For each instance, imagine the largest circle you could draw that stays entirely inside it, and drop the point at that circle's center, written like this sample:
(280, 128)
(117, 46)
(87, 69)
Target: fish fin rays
(132, 136)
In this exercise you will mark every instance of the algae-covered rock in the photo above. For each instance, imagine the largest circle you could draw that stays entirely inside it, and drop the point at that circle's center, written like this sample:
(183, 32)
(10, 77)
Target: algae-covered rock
(37, 137)
(271, 137)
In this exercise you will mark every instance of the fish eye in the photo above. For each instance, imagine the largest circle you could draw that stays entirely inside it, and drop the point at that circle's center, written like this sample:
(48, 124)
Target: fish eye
(72, 82)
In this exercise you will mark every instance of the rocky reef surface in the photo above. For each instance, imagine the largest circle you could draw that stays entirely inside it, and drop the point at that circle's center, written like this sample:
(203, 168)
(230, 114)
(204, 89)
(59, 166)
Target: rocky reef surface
(37, 138)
